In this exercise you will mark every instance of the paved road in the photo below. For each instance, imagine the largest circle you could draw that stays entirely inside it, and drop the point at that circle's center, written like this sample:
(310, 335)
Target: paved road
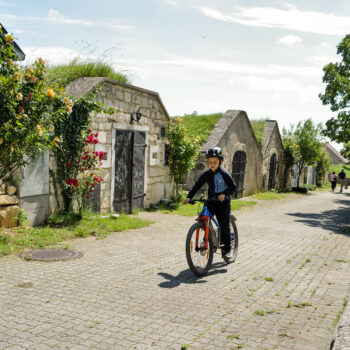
(133, 290)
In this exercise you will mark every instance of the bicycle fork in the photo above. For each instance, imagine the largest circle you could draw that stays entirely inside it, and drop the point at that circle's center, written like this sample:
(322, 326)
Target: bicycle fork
(205, 220)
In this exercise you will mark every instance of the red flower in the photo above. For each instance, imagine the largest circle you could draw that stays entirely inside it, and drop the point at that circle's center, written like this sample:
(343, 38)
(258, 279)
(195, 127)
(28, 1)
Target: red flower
(69, 164)
(101, 179)
(69, 181)
(75, 182)
(101, 154)
(88, 196)
(91, 191)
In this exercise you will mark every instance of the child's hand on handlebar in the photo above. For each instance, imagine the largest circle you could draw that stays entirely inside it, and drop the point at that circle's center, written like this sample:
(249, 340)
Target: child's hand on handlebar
(186, 200)
(221, 197)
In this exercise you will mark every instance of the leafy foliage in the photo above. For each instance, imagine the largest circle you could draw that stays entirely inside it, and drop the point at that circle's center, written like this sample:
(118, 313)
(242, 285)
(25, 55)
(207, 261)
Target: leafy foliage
(28, 109)
(345, 152)
(77, 162)
(66, 73)
(183, 151)
(337, 93)
(303, 145)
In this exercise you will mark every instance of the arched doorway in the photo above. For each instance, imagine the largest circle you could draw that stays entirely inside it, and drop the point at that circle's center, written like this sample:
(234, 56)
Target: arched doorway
(238, 171)
(272, 172)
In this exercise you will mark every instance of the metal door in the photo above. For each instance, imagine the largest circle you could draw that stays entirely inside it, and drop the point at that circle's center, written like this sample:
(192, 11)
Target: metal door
(272, 172)
(238, 171)
(129, 170)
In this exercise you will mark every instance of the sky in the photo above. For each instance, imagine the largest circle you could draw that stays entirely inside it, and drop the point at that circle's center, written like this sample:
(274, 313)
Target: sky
(263, 57)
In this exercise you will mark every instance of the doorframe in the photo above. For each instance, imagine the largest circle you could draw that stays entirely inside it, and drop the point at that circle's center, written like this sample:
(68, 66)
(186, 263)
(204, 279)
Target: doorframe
(127, 127)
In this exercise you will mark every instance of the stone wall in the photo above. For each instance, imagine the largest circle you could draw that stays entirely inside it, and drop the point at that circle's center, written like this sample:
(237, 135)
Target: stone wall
(272, 145)
(127, 99)
(9, 206)
(233, 133)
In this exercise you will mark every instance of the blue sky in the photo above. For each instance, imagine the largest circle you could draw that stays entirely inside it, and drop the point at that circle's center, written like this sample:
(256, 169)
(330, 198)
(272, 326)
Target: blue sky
(264, 57)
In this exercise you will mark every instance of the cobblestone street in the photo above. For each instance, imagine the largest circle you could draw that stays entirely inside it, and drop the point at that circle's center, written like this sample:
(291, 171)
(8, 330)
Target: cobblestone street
(133, 290)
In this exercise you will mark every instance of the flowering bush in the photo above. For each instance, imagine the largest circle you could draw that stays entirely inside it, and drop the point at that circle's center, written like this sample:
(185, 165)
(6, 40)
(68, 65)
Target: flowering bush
(83, 177)
(75, 156)
(183, 151)
(28, 110)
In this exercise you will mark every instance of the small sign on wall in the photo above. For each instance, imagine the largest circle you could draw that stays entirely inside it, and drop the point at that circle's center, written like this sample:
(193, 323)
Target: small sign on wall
(154, 158)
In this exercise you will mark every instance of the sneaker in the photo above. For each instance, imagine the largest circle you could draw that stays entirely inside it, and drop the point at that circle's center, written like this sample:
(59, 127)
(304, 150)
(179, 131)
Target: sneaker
(229, 254)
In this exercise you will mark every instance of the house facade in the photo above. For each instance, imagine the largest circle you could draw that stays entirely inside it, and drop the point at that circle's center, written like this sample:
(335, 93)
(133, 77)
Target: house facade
(134, 141)
(272, 151)
(242, 153)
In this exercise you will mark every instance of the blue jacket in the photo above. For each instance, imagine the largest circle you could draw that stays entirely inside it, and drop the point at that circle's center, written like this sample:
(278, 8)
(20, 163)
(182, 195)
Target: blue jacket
(208, 177)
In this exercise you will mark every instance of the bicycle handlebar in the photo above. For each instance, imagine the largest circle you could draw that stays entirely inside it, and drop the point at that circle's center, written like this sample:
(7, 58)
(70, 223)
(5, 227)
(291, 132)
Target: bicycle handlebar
(193, 201)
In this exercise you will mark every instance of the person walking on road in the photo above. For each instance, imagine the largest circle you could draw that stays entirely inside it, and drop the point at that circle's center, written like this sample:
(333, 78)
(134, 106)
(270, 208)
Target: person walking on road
(342, 177)
(333, 180)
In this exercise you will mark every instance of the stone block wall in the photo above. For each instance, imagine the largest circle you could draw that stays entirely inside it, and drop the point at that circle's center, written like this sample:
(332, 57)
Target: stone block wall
(9, 206)
(127, 99)
(273, 146)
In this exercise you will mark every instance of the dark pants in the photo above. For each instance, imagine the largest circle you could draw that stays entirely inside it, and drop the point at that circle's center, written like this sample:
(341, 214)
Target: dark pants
(334, 183)
(222, 211)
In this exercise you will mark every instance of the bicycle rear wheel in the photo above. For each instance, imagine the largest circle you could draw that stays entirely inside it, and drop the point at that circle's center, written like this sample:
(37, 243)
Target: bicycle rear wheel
(199, 259)
(234, 241)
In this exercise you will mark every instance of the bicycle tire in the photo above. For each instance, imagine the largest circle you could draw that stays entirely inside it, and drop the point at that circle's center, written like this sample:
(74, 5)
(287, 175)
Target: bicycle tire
(201, 260)
(234, 241)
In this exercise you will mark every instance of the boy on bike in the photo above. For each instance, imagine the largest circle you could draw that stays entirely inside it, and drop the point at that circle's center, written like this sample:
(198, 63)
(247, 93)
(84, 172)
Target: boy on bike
(221, 187)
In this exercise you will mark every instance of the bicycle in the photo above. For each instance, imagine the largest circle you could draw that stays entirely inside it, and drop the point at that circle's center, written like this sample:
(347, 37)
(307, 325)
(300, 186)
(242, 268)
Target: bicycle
(203, 240)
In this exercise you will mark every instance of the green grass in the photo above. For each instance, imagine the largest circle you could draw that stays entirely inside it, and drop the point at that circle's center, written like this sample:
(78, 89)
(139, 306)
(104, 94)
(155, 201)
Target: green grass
(339, 167)
(259, 129)
(267, 196)
(65, 73)
(91, 224)
(192, 210)
(201, 125)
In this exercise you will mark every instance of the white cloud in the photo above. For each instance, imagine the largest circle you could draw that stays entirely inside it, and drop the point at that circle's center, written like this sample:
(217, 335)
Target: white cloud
(281, 85)
(289, 40)
(290, 18)
(323, 44)
(55, 16)
(52, 55)
(170, 2)
(5, 4)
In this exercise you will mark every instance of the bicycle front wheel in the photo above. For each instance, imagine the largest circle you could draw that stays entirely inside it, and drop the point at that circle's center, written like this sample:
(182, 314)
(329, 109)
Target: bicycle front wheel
(199, 258)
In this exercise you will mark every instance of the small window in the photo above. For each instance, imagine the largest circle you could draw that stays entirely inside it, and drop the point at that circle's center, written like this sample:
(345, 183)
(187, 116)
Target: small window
(166, 154)
(162, 132)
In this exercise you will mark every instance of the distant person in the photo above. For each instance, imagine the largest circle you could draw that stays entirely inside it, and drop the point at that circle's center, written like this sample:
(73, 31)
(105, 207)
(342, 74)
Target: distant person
(333, 180)
(342, 177)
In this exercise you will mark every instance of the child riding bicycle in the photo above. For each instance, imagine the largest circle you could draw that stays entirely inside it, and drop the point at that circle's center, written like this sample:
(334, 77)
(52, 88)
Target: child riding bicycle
(221, 186)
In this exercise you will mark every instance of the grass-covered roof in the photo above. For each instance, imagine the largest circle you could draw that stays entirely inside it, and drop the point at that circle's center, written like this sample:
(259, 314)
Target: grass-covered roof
(65, 73)
(200, 125)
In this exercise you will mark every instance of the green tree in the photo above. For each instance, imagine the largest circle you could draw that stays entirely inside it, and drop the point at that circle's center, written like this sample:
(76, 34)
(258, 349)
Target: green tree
(337, 94)
(290, 154)
(28, 109)
(322, 165)
(345, 152)
(182, 153)
(306, 144)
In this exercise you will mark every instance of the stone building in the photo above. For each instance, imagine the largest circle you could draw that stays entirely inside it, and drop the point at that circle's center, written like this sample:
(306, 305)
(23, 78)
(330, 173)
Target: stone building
(334, 155)
(134, 141)
(242, 153)
(272, 165)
